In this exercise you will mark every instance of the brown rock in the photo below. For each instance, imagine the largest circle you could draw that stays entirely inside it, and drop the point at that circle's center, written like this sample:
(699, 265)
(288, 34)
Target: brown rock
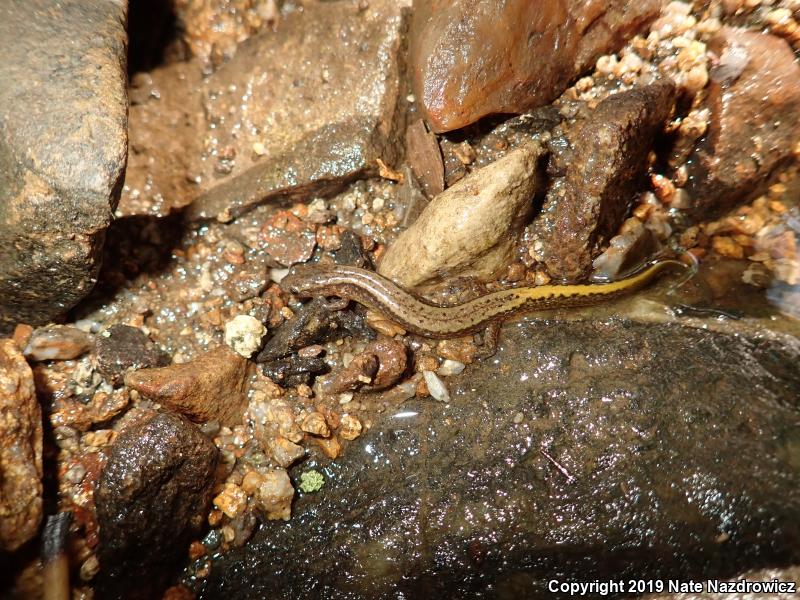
(472, 227)
(598, 167)
(754, 97)
(63, 144)
(121, 348)
(425, 158)
(209, 388)
(20, 450)
(287, 239)
(377, 367)
(472, 58)
(151, 499)
(296, 112)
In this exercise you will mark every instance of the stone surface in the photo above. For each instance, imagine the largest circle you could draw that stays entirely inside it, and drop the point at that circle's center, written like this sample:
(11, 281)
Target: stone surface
(597, 167)
(150, 500)
(643, 451)
(63, 145)
(209, 388)
(425, 158)
(57, 342)
(754, 97)
(20, 450)
(470, 228)
(122, 348)
(297, 112)
(473, 58)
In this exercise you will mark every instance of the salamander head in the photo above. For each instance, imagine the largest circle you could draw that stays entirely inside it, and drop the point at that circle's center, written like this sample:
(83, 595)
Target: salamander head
(305, 280)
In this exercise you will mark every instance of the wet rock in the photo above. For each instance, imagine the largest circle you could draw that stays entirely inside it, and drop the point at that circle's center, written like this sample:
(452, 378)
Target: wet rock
(754, 97)
(379, 366)
(63, 144)
(57, 342)
(293, 370)
(211, 387)
(284, 452)
(634, 245)
(327, 85)
(610, 473)
(598, 166)
(471, 59)
(315, 323)
(471, 228)
(297, 112)
(151, 499)
(287, 239)
(121, 348)
(68, 411)
(425, 158)
(20, 450)
(273, 493)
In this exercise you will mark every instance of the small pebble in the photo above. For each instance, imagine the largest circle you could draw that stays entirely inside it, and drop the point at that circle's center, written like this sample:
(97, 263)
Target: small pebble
(243, 334)
(350, 427)
(518, 418)
(436, 387)
(450, 367)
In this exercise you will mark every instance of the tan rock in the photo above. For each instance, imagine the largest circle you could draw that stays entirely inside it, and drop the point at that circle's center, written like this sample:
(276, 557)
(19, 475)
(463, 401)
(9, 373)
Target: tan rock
(209, 388)
(470, 228)
(20, 450)
(315, 424)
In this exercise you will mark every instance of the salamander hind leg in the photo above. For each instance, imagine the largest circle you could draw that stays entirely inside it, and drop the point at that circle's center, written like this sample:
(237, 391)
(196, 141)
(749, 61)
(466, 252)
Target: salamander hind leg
(487, 347)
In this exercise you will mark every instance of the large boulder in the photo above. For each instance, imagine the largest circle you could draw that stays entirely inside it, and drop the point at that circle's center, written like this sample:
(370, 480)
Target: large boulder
(599, 450)
(296, 112)
(63, 146)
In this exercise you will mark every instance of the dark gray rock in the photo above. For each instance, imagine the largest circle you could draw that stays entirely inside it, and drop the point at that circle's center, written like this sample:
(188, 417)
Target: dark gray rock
(598, 165)
(316, 322)
(151, 497)
(122, 348)
(63, 146)
(643, 451)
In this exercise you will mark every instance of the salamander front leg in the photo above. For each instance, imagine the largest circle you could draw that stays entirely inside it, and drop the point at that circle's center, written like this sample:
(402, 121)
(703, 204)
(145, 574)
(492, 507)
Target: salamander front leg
(489, 340)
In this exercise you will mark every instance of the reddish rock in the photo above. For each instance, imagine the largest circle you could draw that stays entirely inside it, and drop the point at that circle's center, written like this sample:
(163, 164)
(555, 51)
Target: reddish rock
(378, 367)
(425, 158)
(20, 450)
(209, 388)
(287, 239)
(474, 58)
(597, 167)
(754, 97)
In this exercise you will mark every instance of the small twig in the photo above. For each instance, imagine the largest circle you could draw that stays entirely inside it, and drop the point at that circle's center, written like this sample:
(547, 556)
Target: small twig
(559, 466)
(55, 573)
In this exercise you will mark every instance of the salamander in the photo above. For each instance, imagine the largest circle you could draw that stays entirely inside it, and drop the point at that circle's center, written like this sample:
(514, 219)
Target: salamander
(431, 320)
